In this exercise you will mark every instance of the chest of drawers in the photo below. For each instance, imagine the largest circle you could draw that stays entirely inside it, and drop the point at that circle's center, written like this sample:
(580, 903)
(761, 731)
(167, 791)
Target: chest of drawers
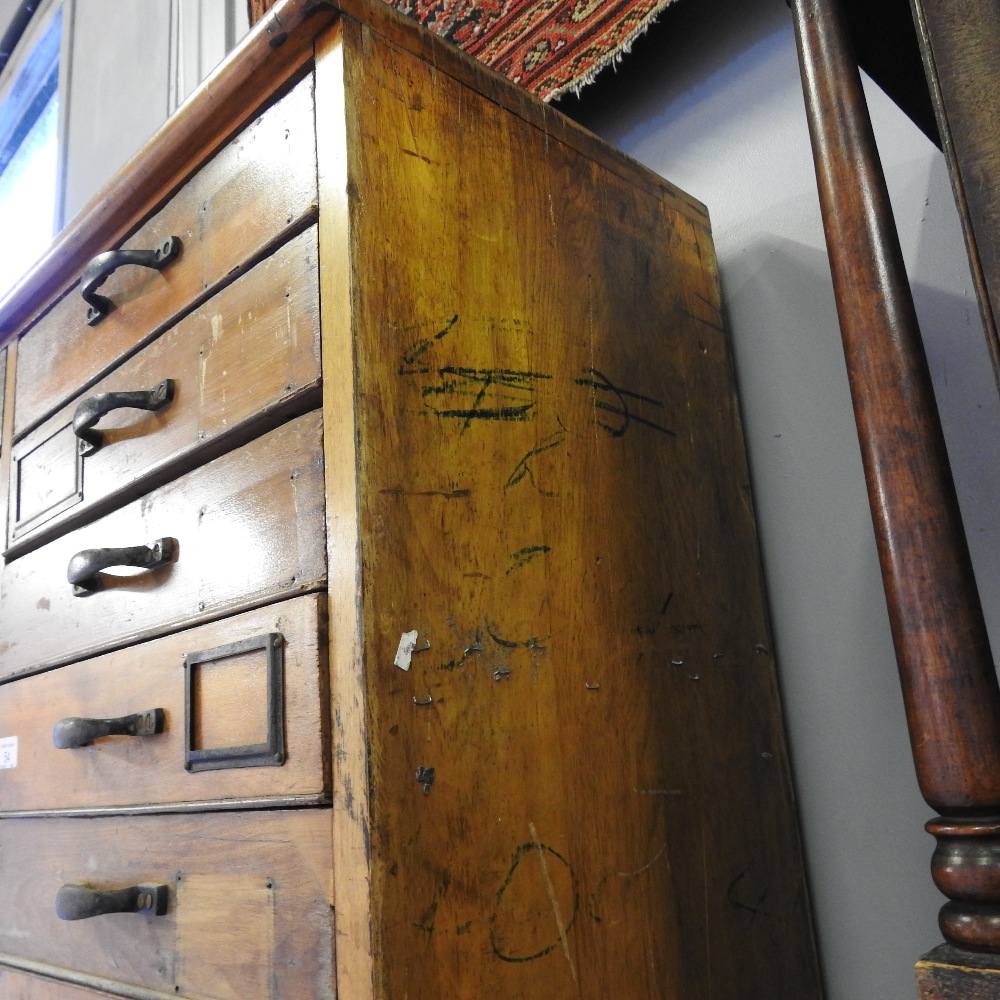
(380, 613)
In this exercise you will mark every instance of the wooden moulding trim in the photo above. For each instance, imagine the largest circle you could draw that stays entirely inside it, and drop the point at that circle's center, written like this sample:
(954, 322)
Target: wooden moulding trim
(350, 777)
(73, 978)
(208, 805)
(273, 53)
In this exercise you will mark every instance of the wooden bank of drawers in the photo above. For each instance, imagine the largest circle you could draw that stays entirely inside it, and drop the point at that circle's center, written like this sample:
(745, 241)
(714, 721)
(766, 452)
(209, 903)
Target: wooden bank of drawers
(214, 652)
(231, 211)
(427, 581)
(248, 356)
(247, 901)
(229, 709)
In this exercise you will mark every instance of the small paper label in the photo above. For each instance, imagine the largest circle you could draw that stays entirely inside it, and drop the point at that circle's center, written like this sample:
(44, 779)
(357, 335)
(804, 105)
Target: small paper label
(8, 751)
(407, 643)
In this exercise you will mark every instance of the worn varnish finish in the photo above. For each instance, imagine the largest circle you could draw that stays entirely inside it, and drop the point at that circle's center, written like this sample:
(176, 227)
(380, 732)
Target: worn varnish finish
(960, 41)
(148, 772)
(249, 914)
(248, 529)
(949, 973)
(239, 363)
(553, 494)
(942, 648)
(531, 456)
(240, 203)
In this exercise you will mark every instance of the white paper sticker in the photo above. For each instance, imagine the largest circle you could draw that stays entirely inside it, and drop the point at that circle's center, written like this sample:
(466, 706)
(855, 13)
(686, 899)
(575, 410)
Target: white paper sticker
(407, 643)
(8, 751)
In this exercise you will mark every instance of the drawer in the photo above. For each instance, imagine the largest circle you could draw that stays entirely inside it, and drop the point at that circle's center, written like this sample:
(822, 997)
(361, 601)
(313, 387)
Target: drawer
(241, 362)
(16, 984)
(246, 529)
(237, 671)
(248, 901)
(257, 188)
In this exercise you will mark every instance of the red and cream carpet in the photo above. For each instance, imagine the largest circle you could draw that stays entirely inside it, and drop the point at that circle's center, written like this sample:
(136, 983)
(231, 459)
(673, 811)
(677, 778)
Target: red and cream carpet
(546, 46)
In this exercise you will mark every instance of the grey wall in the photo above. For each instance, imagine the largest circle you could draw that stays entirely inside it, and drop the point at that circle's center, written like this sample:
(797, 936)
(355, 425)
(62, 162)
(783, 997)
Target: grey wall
(712, 101)
(129, 66)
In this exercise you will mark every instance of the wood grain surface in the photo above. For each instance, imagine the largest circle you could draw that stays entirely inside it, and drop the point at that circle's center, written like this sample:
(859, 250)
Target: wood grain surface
(553, 494)
(17, 985)
(256, 188)
(946, 668)
(948, 973)
(149, 771)
(248, 530)
(240, 363)
(960, 40)
(249, 915)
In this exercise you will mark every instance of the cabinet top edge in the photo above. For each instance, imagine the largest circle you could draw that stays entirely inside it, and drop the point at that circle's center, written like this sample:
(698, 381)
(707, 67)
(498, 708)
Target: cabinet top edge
(278, 50)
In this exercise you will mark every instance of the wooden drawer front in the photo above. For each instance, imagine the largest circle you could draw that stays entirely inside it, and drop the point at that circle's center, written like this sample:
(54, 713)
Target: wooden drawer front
(246, 358)
(230, 709)
(18, 985)
(248, 529)
(239, 203)
(248, 916)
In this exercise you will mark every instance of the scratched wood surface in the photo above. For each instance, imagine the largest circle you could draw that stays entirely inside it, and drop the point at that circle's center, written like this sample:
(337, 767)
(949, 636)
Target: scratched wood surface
(579, 786)
(248, 529)
(255, 189)
(948, 973)
(149, 771)
(240, 363)
(249, 915)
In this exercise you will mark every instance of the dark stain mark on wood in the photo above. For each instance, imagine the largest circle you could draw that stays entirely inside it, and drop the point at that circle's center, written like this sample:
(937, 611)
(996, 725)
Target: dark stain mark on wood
(513, 942)
(422, 346)
(599, 382)
(655, 627)
(398, 491)
(410, 152)
(754, 908)
(524, 556)
(523, 468)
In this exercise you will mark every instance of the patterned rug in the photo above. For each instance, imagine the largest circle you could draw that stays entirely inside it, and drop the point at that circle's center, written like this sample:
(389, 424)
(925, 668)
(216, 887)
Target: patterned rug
(547, 46)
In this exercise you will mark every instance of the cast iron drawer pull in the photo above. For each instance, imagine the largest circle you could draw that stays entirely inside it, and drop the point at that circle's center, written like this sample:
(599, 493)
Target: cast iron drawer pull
(85, 566)
(93, 408)
(78, 902)
(71, 733)
(98, 270)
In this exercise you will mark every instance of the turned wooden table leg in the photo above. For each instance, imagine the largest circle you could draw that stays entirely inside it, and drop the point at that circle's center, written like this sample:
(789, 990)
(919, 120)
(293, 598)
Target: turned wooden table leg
(942, 650)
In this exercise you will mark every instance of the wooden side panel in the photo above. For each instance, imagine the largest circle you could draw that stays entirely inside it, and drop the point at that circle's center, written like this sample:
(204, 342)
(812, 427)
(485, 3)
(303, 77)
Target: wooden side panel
(579, 786)
(961, 47)
(248, 527)
(249, 915)
(240, 203)
(241, 362)
(137, 772)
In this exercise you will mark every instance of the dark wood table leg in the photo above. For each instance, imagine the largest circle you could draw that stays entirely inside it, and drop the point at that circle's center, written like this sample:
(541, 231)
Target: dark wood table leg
(942, 650)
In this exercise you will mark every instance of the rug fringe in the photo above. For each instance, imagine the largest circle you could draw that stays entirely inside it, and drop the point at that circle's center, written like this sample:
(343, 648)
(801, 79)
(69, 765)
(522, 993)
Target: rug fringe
(612, 58)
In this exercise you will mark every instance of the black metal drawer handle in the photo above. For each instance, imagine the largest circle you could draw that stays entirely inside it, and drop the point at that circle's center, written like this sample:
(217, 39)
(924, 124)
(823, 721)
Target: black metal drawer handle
(99, 269)
(77, 901)
(94, 407)
(74, 732)
(85, 566)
